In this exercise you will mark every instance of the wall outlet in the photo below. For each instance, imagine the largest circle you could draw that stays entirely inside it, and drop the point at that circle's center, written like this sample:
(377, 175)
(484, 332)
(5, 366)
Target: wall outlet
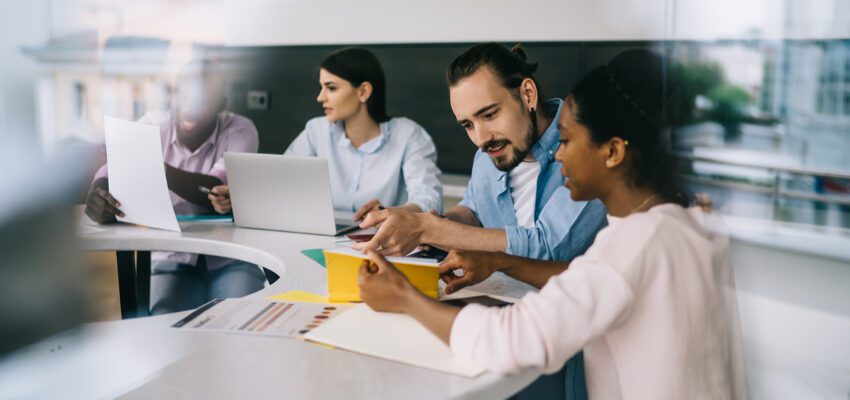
(258, 100)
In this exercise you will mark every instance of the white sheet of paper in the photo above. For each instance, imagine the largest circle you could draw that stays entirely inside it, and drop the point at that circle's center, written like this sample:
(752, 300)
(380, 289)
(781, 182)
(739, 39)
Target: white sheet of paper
(396, 337)
(137, 174)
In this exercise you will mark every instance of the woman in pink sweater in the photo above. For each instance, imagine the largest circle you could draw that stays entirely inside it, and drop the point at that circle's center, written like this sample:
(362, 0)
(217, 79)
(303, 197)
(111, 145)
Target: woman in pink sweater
(651, 302)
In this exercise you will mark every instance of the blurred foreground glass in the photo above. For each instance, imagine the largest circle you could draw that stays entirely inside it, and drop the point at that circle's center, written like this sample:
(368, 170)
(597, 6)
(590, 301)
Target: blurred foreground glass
(41, 280)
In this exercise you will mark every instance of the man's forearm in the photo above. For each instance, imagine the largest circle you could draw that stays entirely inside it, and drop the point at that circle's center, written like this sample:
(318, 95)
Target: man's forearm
(185, 184)
(448, 235)
(463, 215)
(411, 207)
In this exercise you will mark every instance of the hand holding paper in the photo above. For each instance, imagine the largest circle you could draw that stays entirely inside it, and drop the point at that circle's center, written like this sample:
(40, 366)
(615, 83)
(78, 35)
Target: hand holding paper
(136, 174)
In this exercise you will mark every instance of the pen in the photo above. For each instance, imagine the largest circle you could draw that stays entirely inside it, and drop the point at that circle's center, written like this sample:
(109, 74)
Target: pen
(207, 191)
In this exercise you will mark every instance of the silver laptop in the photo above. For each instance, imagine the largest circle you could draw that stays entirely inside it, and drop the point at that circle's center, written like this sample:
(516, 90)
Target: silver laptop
(283, 193)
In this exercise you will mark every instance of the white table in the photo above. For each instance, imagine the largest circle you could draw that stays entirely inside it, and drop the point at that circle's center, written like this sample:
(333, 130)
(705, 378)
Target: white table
(144, 358)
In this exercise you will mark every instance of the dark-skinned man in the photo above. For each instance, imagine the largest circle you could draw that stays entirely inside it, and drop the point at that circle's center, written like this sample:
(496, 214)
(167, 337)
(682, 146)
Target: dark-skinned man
(195, 133)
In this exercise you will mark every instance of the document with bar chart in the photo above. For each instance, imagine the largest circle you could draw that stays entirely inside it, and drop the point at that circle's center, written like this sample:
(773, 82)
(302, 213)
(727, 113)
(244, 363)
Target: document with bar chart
(259, 317)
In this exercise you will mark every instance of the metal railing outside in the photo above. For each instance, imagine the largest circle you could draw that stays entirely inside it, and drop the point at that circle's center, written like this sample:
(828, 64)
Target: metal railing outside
(777, 170)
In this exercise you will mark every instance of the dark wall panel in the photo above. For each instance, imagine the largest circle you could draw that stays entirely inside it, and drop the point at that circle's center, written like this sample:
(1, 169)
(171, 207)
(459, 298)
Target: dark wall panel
(415, 87)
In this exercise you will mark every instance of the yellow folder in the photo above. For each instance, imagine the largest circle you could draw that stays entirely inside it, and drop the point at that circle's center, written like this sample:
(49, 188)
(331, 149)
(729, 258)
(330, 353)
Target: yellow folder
(343, 265)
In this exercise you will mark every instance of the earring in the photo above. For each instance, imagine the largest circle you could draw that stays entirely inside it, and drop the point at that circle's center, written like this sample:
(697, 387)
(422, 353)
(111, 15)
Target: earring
(626, 142)
(609, 163)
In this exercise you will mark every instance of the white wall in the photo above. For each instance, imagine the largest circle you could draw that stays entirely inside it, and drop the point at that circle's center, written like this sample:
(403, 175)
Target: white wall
(298, 22)
(388, 21)
(795, 321)
(259, 22)
(279, 22)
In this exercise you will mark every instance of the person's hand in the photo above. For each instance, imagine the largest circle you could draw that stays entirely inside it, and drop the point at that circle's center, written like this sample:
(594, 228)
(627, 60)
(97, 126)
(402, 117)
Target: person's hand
(382, 286)
(476, 266)
(220, 199)
(372, 205)
(101, 206)
(399, 232)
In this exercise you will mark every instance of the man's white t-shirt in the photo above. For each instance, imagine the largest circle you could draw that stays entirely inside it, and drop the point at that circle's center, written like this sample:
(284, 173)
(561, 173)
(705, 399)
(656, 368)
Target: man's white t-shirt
(523, 182)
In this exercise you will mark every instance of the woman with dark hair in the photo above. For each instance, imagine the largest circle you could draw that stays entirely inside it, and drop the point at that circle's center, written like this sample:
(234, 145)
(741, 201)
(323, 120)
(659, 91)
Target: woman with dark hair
(374, 160)
(651, 302)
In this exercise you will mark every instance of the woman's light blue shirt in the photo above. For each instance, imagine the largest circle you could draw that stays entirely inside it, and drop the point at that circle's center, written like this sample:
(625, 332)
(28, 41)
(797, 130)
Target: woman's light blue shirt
(397, 167)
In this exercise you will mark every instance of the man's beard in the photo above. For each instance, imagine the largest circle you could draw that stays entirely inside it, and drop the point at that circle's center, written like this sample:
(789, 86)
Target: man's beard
(509, 161)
